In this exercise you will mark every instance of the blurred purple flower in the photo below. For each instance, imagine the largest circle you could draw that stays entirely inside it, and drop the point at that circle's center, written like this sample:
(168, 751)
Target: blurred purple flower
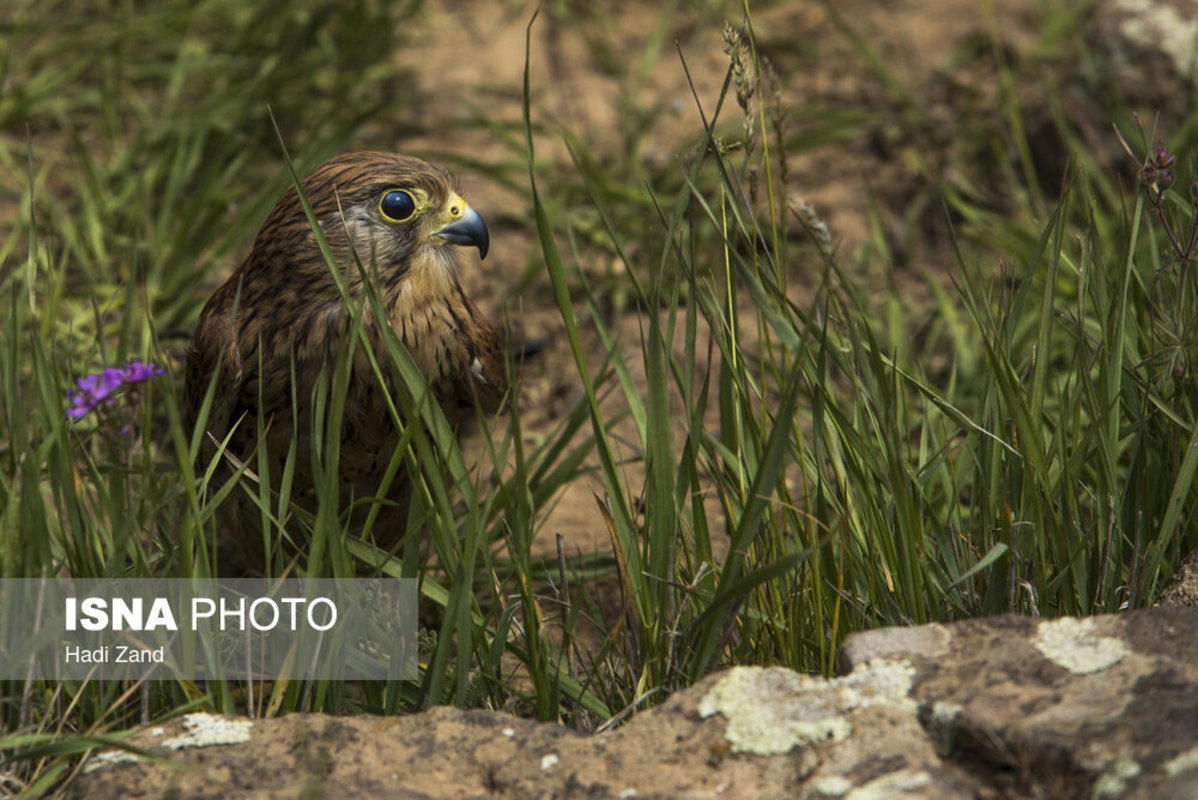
(95, 390)
(1157, 171)
(137, 372)
(92, 391)
(1161, 157)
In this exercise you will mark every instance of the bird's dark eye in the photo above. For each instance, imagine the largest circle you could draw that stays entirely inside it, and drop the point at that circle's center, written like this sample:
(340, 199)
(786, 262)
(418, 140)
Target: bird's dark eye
(397, 206)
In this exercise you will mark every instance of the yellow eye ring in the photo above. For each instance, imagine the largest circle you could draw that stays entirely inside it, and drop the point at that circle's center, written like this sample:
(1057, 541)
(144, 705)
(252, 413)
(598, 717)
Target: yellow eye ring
(396, 205)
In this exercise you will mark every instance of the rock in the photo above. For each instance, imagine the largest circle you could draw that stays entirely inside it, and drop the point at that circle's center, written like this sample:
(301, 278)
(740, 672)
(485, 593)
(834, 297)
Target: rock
(1102, 707)
(1183, 591)
(1145, 51)
(1099, 707)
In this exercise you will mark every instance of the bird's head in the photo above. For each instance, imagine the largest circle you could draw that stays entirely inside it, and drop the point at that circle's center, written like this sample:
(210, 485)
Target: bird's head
(402, 216)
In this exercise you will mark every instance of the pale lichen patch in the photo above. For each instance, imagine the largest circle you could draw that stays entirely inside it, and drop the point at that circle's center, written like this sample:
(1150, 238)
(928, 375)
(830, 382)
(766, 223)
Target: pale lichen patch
(1073, 644)
(1113, 781)
(206, 730)
(945, 713)
(901, 783)
(110, 757)
(199, 730)
(1162, 29)
(771, 710)
(1183, 762)
(943, 723)
(893, 785)
(832, 786)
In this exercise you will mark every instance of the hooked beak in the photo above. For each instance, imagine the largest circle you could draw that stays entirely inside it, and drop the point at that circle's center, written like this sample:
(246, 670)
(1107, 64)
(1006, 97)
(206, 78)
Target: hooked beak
(468, 229)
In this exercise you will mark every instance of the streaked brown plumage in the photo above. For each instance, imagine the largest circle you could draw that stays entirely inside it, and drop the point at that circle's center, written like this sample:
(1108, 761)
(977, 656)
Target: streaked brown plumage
(282, 312)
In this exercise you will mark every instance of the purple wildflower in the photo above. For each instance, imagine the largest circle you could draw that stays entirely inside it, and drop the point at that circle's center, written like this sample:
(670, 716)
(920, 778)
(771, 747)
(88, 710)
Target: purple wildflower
(137, 372)
(95, 390)
(1157, 171)
(92, 391)
(1161, 157)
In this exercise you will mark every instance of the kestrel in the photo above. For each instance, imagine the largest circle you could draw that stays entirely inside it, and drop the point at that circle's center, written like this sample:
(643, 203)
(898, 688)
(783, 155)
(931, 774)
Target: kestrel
(394, 218)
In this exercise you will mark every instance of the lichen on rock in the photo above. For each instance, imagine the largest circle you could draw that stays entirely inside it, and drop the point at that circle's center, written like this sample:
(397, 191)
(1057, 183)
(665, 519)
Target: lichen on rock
(771, 710)
(1073, 644)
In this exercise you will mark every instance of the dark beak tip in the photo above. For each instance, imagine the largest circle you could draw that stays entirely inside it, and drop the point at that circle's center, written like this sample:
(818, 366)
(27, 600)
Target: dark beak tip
(469, 230)
(480, 236)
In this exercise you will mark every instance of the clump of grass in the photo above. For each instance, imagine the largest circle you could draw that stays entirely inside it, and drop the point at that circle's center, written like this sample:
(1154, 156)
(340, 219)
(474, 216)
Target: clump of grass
(1046, 469)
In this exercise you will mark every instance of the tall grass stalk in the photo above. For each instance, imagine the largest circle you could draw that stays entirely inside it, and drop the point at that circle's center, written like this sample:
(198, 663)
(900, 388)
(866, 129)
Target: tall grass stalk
(857, 486)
